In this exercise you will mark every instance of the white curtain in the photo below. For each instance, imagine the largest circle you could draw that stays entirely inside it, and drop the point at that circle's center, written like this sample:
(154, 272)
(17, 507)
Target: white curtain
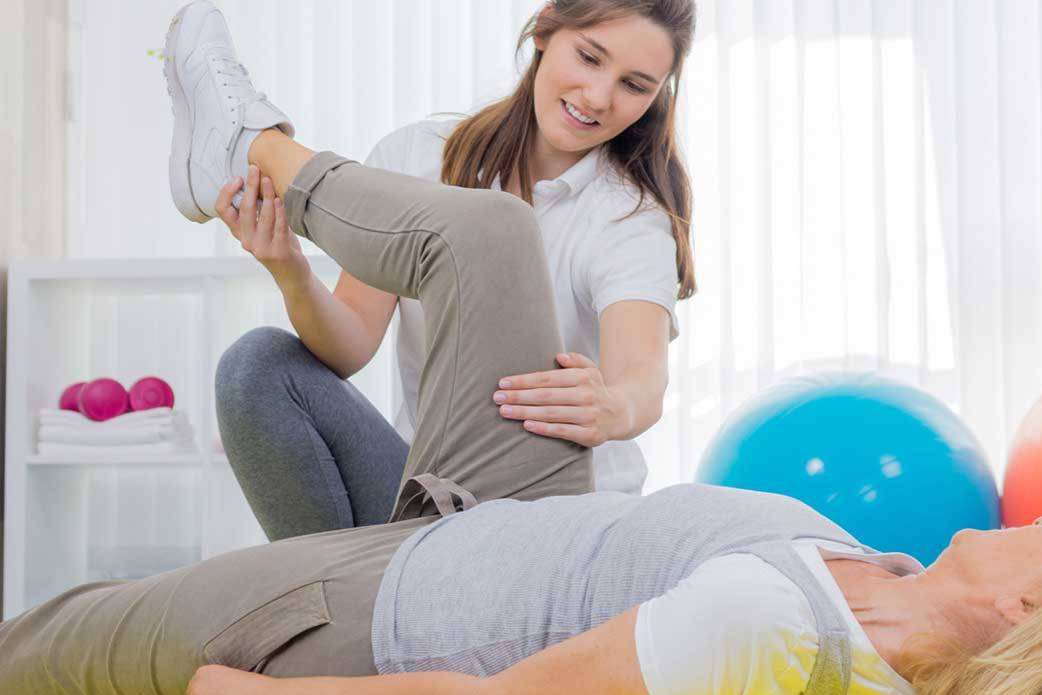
(866, 175)
(347, 71)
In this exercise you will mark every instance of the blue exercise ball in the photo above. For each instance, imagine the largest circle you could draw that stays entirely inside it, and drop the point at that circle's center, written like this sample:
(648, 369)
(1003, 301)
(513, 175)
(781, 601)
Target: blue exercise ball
(889, 463)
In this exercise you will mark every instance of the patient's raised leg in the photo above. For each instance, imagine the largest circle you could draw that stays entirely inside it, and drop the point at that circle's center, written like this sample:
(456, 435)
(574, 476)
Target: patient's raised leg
(475, 260)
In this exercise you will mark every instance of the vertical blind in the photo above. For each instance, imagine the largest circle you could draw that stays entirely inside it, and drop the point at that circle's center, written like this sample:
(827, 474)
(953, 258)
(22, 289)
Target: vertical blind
(866, 175)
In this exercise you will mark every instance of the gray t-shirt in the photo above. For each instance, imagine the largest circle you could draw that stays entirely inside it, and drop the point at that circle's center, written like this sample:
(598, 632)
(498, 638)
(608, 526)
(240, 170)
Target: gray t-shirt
(480, 590)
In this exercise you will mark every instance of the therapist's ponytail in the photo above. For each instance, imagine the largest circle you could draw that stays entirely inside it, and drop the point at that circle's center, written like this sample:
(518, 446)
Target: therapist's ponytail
(496, 141)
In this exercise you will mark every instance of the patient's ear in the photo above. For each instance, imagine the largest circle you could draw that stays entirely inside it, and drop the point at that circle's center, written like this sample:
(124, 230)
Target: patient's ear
(1015, 608)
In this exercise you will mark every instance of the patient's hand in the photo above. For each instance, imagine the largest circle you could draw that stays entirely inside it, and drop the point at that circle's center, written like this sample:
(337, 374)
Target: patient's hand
(221, 680)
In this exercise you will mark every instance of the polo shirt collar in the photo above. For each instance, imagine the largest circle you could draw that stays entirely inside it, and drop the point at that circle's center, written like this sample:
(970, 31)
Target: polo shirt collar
(578, 176)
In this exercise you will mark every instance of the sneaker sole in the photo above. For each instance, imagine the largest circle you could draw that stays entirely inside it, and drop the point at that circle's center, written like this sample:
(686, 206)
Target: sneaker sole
(181, 145)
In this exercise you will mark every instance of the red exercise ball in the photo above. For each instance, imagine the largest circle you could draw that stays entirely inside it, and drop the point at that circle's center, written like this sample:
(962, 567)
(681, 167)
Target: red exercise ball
(69, 399)
(1022, 489)
(103, 399)
(151, 392)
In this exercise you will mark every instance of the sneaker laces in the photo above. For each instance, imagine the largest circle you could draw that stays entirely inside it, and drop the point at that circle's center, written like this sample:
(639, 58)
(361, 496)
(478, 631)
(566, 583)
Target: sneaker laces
(235, 76)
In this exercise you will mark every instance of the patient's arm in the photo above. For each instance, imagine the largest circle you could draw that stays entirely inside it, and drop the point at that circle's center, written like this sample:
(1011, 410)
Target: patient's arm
(602, 660)
(221, 680)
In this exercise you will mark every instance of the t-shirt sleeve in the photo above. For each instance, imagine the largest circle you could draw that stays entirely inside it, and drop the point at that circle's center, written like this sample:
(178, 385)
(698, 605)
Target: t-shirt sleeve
(635, 258)
(414, 149)
(391, 152)
(734, 626)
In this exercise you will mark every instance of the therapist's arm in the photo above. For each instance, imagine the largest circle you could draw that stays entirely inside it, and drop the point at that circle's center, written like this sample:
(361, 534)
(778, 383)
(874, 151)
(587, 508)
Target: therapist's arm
(634, 361)
(602, 660)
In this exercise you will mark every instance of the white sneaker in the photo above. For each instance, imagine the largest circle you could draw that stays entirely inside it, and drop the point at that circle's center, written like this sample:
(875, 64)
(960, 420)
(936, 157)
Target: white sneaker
(217, 111)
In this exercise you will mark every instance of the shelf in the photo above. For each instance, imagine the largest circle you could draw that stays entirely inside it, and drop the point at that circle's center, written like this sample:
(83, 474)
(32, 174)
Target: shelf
(171, 460)
(151, 269)
(72, 518)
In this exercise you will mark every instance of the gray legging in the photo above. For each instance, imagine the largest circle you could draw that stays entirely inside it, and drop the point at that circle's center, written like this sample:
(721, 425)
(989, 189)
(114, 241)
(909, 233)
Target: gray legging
(310, 452)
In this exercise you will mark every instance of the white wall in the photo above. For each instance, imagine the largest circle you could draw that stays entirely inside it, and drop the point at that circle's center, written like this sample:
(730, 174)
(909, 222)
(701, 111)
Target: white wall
(32, 155)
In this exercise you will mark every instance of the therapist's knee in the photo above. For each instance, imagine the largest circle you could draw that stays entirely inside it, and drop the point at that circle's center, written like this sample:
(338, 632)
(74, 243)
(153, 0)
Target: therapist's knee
(252, 363)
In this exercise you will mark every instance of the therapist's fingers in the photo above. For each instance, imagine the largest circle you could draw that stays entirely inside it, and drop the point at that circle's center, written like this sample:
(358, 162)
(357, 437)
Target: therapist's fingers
(557, 378)
(266, 220)
(248, 210)
(227, 212)
(571, 395)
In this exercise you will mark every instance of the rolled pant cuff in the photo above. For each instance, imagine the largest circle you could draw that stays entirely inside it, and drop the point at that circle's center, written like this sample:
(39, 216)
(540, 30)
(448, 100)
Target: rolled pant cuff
(304, 183)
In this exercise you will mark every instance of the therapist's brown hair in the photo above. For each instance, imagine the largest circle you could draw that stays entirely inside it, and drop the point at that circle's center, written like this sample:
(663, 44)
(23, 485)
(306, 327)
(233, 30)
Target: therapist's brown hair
(495, 141)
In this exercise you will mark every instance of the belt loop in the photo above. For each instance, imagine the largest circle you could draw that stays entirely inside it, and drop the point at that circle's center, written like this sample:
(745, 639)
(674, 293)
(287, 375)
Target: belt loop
(418, 489)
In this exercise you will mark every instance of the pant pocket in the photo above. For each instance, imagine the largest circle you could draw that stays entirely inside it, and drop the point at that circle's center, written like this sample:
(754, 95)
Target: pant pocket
(250, 641)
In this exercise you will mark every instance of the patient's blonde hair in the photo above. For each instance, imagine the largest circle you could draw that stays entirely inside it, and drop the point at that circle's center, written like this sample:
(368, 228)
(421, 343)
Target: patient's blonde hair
(1010, 666)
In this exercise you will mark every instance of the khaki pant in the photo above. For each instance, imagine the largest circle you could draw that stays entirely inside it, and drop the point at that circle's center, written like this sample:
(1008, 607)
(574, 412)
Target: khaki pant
(303, 606)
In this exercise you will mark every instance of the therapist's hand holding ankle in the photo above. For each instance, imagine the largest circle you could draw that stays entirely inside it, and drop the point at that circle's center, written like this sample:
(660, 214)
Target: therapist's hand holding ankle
(264, 232)
(572, 403)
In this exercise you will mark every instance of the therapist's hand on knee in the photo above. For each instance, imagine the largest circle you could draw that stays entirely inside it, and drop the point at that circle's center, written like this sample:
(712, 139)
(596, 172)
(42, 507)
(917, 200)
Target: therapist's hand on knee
(263, 230)
(572, 403)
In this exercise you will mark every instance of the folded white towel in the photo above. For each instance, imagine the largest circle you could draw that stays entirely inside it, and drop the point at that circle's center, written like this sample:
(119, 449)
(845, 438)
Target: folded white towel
(131, 420)
(158, 431)
(94, 452)
(72, 435)
(129, 415)
(46, 429)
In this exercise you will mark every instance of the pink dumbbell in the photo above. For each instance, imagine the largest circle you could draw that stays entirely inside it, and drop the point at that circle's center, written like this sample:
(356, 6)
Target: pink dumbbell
(151, 392)
(103, 399)
(69, 399)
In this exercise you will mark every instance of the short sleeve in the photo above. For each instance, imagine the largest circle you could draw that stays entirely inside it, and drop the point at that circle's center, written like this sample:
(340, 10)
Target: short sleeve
(391, 151)
(634, 258)
(734, 626)
(415, 149)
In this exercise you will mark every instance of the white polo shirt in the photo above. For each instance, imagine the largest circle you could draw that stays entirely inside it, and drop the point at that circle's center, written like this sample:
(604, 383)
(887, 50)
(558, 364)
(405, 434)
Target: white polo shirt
(594, 261)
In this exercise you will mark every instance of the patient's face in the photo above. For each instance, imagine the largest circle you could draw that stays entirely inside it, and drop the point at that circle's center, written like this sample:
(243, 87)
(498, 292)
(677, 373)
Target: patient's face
(1007, 560)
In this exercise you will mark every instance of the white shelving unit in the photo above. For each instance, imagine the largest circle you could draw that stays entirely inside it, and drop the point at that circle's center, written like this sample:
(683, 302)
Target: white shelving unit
(76, 520)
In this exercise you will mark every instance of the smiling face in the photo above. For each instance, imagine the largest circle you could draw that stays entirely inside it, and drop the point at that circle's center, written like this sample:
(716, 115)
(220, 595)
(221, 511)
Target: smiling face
(594, 83)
